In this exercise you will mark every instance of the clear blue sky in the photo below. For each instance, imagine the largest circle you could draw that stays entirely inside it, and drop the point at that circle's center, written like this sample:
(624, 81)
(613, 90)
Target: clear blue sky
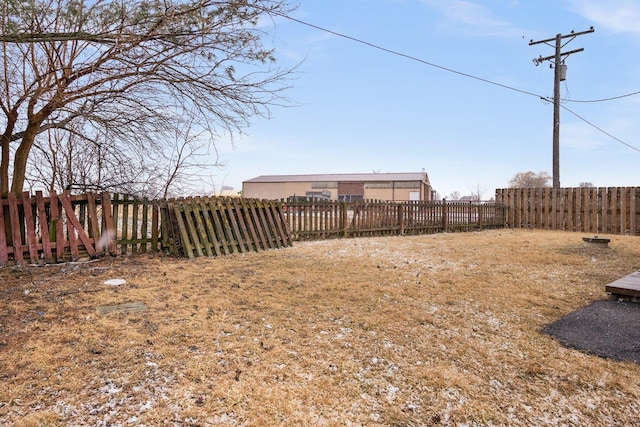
(361, 109)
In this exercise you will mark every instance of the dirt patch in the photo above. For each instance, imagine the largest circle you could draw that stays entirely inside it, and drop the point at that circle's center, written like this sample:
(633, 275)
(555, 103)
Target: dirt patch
(429, 330)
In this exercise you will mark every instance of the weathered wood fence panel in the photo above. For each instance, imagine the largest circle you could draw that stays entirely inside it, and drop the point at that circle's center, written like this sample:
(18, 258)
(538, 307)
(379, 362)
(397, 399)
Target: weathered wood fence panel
(61, 227)
(65, 227)
(323, 219)
(135, 224)
(224, 226)
(612, 210)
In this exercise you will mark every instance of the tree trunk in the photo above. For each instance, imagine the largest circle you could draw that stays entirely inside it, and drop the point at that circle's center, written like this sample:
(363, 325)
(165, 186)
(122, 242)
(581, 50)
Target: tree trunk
(5, 140)
(21, 157)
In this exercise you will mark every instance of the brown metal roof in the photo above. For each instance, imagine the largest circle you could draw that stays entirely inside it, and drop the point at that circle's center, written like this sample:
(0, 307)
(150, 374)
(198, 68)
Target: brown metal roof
(345, 177)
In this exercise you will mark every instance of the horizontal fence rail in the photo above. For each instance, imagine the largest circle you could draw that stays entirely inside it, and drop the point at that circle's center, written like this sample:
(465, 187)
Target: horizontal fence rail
(604, 210)
(323, 219)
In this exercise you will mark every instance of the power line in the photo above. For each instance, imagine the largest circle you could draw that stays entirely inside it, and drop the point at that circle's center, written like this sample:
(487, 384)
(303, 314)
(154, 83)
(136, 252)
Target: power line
(613, 98)
(413, 58)
(404, 55)
(600, 129)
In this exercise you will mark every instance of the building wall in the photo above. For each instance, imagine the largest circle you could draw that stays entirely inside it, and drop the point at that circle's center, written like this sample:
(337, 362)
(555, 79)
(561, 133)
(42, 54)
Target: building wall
(278, 190)
(391, 194)
(392, 191)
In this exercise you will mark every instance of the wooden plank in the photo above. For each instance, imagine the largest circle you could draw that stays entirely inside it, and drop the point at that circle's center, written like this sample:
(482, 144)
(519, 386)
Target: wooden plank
(56, 224)
(586, 210)
(633, 212)
(246, 226)
(628, 285)
(546, 207)
(94, 229)
(167, 228)
(182, 228)
(228, 208)
(201, 230)
(125, 224)
(258, 224)
(144, 225)
(114, 217)
(108, 235)
(127, 307)
(518, 202)
(225, 223)
(242, 227)
(71, 218)
(30, 228)
(218, 225)
(282, 223)
(4, 250)
(623, 211)
(271, 219)
(15, 228)
(135, 226)
(537, 203)
(72, 239)
(561, 224)
(250, 221)
(155, 218)
(188, 211)
(261, 209)
(209, 227)
(570, 195)
(613, 222)
(279, 223)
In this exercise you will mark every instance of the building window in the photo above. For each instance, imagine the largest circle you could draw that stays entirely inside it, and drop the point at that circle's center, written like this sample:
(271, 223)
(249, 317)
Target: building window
(350, 197)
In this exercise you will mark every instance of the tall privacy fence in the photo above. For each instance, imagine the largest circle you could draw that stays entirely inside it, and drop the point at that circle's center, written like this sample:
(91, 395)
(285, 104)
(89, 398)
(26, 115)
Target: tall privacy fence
(64, 227)
(613, 210)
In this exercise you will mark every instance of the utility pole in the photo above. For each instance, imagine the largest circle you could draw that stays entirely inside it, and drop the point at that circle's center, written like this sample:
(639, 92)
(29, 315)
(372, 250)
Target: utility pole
(560, 70)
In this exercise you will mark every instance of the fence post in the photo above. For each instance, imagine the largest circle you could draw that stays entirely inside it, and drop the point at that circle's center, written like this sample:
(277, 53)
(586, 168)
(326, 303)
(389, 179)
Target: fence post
(345, 219)
(445, 215)
(401, 210)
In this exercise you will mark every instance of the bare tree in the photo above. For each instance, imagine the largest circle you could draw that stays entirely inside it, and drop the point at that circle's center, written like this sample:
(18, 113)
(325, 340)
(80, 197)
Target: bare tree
(477, 192)
(586, 184)
(117, 76)
(170, 169)
(455, 195)
(530, 180)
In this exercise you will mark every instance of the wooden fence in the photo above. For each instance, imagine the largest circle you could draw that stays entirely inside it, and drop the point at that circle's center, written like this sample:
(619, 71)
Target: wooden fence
(65, 227)
(322, 219)
(613, 210)
(225, 225)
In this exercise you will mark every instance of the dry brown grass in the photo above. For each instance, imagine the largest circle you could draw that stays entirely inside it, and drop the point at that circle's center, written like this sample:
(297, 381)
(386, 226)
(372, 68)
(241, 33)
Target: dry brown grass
(428, 330)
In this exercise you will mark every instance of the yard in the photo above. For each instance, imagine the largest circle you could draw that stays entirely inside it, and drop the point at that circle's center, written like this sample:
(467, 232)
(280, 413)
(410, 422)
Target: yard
(439, 329)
